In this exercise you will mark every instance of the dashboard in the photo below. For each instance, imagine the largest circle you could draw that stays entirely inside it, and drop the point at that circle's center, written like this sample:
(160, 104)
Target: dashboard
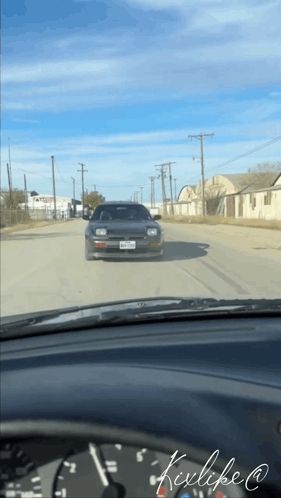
(137, 411)
(63, 469)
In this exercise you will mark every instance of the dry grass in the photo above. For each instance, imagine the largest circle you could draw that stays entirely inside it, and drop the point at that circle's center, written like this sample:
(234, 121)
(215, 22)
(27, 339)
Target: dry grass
(219, 220)
(32, 224)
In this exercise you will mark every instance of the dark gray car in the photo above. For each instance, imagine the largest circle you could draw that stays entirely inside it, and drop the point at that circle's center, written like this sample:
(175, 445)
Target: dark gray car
(123, 230)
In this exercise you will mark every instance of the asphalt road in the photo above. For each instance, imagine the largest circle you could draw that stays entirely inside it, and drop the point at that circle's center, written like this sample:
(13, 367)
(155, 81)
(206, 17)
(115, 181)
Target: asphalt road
(44, 268)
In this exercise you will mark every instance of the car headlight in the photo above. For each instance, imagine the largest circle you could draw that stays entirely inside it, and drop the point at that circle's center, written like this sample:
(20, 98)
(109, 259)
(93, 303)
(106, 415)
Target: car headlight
(152, 232)
(101, 232)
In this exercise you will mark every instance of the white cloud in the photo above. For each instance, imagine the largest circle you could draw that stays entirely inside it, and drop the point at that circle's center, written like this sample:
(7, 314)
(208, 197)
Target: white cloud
(157, 4)
(198, 52)
(275, 94)
(115, 161)
(57, 70)
(25, 120)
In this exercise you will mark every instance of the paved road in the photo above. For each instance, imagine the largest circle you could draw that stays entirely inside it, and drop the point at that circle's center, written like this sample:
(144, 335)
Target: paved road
(44, 268)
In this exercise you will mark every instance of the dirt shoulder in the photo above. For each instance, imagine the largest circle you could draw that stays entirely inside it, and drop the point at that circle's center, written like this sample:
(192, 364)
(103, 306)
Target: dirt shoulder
(26, 226)
(219, 220)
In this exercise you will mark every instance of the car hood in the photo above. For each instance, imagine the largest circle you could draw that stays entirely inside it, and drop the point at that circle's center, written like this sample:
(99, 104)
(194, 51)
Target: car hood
(134, 311)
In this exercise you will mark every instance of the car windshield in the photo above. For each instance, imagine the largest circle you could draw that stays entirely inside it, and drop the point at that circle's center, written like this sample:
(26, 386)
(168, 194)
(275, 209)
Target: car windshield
(120, 212)
(140, 152)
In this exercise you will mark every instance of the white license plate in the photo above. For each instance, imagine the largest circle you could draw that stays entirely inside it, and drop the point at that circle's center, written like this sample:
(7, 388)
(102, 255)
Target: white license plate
(127, 244)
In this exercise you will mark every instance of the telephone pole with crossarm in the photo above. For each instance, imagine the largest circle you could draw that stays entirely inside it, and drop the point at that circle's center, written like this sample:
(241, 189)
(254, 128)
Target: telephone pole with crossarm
(201, 137)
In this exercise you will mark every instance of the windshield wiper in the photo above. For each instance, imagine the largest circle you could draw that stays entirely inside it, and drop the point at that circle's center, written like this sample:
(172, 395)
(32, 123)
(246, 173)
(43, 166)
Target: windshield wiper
(142, 310)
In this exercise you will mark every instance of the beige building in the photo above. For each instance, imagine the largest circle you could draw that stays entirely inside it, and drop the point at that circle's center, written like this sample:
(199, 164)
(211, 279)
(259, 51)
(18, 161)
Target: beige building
(187, 194)
(220, 185)
(263, 203)
(244, 195)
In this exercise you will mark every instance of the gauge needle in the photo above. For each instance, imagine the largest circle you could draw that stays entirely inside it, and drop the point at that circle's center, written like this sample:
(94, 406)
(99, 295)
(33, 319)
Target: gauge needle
(100, 469)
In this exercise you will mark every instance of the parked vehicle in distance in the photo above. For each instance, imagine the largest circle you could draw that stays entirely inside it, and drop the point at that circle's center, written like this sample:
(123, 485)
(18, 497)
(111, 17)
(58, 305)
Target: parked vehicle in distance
(123, 230)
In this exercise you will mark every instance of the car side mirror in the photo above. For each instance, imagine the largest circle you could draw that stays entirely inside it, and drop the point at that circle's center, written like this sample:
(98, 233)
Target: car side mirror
(157, 217)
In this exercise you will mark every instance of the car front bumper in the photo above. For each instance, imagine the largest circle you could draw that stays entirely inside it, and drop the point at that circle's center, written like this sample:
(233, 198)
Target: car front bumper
(106, 249)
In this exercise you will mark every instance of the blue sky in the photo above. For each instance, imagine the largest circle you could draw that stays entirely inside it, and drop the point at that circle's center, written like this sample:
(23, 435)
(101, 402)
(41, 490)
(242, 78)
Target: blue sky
(119, 85)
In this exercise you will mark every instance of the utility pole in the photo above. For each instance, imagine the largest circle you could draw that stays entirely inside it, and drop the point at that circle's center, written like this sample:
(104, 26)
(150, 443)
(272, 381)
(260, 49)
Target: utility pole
(152, 191)
(162, 168)
(136, 197)
(82, 171)
(10, 184)
(73, 195)
(175, 189)
(10, 164)
(54, 187)
(25, 192)
(201, 137)
(141, 194)
(171, 186)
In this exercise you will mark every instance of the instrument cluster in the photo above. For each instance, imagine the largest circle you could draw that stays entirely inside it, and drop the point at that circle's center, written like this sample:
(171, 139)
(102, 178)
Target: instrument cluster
(59, 469)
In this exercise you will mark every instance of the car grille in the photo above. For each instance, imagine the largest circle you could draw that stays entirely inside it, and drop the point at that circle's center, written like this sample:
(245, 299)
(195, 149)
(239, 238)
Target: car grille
(132, 237)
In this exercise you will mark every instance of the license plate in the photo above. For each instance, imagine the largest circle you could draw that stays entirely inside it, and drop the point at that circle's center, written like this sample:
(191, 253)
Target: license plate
(127, 244)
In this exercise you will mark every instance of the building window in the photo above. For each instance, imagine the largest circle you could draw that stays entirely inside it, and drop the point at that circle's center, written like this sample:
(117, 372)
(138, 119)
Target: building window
(267, 198)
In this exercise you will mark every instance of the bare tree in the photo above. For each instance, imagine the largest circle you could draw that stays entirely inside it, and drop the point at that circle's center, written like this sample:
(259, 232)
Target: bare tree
(11, 200)
(263, 174)
(213, 195)
(215, 191)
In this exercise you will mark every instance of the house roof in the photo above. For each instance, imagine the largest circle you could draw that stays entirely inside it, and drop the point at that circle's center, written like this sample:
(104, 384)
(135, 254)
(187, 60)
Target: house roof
(278, 176)
(243, 181)
(190, 187)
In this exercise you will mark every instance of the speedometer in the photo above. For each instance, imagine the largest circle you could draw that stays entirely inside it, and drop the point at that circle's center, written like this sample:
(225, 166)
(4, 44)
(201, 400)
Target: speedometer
(111, 471)
(18, 475)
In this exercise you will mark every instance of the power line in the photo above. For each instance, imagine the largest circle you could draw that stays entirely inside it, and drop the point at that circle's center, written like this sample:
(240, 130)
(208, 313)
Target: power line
(245, 154)
(249, 152)
(61, 179)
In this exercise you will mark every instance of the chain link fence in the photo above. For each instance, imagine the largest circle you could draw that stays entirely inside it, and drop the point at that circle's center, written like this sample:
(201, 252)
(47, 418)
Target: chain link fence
(10, 217)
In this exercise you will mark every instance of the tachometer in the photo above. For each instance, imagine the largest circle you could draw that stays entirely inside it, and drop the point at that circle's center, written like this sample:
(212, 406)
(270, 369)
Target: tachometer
(109, 471)
(18, 475)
